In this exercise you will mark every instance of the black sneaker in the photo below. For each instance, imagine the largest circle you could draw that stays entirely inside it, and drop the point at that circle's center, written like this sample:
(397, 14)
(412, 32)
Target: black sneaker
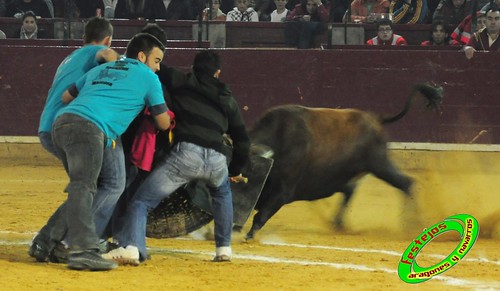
(89, 260)
(39, 252)
(59, 254)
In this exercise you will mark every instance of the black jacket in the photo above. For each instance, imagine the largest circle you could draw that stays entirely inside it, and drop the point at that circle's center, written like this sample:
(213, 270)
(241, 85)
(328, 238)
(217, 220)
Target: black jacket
(39, 7)
(205, 110)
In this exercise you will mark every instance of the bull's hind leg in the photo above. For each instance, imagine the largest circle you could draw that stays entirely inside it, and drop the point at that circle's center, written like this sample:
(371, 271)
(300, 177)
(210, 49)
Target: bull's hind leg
(388, 172)
(384, 169)
(264, 214)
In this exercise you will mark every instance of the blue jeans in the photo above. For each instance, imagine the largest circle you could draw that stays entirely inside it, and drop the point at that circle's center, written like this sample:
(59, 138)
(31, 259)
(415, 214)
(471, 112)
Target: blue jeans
(186, 162)
(110, 186)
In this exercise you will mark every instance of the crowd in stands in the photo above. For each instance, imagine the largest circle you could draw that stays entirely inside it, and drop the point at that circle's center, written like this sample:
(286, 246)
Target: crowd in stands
(453, 21)
(452, 12)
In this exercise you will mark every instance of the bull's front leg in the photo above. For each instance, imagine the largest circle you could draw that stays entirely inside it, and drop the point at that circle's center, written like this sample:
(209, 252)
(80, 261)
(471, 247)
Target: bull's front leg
(338, 220)
(262, 216)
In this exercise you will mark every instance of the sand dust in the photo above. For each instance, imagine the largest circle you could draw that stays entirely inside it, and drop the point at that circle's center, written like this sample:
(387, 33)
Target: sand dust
(296, 250)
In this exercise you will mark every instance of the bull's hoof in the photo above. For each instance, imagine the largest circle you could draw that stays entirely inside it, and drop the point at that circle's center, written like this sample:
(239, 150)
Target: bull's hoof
(237, 228)
(339, 227)
(249, 236)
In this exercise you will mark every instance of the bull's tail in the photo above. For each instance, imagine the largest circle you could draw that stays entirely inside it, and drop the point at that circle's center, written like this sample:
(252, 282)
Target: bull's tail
(430, 91)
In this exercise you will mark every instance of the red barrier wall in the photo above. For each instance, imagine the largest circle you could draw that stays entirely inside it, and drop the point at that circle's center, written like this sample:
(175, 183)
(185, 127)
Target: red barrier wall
(376, 80)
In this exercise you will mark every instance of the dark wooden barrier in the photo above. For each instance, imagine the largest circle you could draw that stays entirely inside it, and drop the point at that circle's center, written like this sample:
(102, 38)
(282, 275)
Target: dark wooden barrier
(376, 80)
(238, 34)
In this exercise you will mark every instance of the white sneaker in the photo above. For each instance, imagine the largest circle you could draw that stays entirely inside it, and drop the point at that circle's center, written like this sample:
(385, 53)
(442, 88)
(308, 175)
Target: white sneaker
(124, 256)
(222, 254)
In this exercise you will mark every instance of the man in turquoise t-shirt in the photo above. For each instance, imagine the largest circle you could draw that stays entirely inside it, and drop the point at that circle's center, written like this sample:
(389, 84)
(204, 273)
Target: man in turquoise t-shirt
(101, 106)
(98, 37)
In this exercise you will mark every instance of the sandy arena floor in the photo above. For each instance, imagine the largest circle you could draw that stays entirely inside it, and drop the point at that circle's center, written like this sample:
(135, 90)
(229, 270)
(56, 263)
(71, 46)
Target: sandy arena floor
(296, 250)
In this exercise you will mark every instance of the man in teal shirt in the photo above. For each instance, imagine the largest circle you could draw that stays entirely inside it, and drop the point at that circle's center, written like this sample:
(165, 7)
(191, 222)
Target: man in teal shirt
(101, 106)
(98, 36)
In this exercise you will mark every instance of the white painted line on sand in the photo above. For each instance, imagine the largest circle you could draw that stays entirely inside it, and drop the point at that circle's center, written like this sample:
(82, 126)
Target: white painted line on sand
(445, 279)
(385, 252)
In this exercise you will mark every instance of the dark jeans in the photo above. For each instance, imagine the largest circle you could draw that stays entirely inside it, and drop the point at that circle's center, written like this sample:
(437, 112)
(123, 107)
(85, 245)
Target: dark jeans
(110, 186)
(80, 145)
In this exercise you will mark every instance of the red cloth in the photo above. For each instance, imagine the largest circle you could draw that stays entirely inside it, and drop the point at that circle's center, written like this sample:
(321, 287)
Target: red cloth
(143, 147)
(463, 32)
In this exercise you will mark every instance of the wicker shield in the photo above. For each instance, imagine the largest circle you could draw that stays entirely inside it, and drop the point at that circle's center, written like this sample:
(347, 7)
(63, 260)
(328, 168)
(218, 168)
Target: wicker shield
(177, 215)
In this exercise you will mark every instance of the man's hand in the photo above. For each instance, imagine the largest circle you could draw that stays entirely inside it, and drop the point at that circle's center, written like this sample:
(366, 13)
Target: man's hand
(469, 52)
(239, 178)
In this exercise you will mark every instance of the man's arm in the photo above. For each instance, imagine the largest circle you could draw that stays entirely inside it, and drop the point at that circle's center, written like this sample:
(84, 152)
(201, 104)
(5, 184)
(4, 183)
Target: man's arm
(70, 94)
(162, 121)
(470, 49)
(106, 55)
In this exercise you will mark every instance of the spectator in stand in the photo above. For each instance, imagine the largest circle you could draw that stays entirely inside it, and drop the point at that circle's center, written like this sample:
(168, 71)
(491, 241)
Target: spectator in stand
(439, 35)
(292, 3)
(338, 10)
(279, 15)
(226, 5)
(50, 5)
(128, 9)
(89, 8)
(168, 10)
(385, 34)
(487, 38)
(361, 10)
(431, 7)
(242, 12)
(29, 29)
(485, 7)
(197, 7)
(304, 22)
(409, 11)
(109, 8)
(2, 8)
(264, 9)
(39, 7)
(453, 11)
(463, 31)
(216, 14)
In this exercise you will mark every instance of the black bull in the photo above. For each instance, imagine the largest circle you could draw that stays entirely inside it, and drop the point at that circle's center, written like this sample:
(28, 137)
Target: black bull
(317, 152)
(320, 151)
